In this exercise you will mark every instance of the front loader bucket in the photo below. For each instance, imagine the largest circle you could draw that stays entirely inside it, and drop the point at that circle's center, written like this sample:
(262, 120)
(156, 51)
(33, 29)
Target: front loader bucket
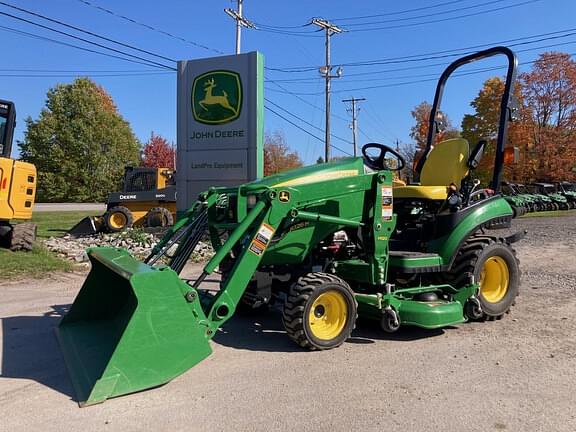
(130, 328)
(90, 225)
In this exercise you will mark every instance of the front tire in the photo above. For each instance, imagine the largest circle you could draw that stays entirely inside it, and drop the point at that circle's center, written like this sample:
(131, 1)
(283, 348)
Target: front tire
(118, 218)
(495, 267)
(320, 311)
(22, 237)
(159, 217)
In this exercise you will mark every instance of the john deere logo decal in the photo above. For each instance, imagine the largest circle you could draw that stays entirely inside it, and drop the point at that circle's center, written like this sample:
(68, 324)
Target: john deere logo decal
(216, 97)
(284, 196)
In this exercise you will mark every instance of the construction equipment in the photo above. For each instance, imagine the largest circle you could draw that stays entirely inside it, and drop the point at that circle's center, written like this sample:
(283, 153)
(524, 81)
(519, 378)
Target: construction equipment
(17, 188)
(148, 199)
(328, 242)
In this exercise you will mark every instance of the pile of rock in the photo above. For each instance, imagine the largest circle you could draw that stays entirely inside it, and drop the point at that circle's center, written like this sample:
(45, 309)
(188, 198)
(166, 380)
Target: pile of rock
(136, 241)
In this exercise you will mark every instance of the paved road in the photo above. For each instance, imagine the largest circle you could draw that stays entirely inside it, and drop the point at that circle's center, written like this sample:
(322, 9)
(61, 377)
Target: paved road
(54, 207)
(516, 374)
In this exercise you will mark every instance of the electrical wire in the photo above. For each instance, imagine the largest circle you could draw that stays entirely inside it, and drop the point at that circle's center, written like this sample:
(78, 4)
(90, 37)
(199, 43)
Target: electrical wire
(399, 12)
(304, 130)
(426, 15)
(149, 27)
(461, 51)
(47, 39)
(306, 122)
(450, 18)
(55, 21)
(151, 62)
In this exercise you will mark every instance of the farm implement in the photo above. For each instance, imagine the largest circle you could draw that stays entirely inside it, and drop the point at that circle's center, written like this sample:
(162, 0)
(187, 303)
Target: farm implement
(328, 243)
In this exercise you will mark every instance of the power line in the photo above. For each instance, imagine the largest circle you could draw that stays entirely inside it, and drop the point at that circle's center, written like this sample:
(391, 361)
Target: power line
(305, 121)
(20, 75)
(428, 7)
(151, 62)
(149, 27)
(426, 56)
(450, 18)
(303, 130)
(542, 37)
(427, 15)
(55, 21)
(286, 91)
(47, 39)
(277, 30)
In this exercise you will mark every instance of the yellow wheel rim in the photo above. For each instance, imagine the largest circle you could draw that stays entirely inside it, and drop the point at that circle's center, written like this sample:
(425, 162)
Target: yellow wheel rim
(328, 314)
(494, 279)
(118, 220)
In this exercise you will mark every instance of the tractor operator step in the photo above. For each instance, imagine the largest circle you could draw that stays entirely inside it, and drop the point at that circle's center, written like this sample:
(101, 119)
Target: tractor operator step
(415, 262)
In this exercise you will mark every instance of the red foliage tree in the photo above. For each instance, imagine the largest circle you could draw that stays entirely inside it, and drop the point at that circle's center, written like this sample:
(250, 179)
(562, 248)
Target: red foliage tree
(549, 92)
(158, 153)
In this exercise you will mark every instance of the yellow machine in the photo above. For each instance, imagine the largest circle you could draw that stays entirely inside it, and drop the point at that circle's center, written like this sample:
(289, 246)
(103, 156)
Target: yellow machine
(148, 199)
(17, 188)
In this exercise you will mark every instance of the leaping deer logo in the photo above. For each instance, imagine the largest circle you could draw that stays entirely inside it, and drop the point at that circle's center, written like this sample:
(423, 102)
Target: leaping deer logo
(210, 99)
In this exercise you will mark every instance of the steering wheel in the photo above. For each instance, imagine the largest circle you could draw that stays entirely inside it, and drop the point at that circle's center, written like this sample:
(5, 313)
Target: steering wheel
(379, 162)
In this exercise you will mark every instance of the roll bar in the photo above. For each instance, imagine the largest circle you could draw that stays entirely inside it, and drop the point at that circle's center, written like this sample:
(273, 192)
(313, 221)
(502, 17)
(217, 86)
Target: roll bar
(504, 107)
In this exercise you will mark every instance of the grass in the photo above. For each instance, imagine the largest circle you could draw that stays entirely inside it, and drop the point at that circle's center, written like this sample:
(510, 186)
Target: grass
(38, 263)
(56, 224)
(554, 213)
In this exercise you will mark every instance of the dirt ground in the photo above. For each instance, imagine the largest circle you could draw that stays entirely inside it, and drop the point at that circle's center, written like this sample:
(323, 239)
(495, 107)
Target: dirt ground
(517, 374)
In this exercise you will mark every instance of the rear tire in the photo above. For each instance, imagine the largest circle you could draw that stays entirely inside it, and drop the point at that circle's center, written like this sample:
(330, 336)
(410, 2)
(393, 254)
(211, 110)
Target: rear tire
(159, 217)
(22, 237)
(494, 265)
(320, 311)
(118, 218)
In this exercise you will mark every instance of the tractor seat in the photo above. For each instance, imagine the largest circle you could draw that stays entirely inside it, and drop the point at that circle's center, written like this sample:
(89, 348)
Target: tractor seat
(446, 164)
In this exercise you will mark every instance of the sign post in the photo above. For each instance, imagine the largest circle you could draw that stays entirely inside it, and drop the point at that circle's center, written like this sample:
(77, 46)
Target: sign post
(220, 124)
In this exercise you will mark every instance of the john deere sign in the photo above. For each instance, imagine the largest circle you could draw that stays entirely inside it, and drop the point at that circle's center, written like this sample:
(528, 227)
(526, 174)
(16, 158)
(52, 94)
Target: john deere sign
(220, 123)
(217, 97)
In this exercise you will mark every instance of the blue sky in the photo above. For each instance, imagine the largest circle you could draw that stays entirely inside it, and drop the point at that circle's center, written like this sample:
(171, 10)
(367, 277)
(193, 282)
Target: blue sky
(146, 96)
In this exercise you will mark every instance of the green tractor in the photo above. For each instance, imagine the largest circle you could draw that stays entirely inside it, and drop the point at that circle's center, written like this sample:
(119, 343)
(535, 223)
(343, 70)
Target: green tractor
(520, 203)
(328, 243)
(559, 201)
(568, 190)
(544, 202)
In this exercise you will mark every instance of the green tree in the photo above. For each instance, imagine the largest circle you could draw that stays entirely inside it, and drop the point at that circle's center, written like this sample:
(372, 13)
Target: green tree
(79, 144)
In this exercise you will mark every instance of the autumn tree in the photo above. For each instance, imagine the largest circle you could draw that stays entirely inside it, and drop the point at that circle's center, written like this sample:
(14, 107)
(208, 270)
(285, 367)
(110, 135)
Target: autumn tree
(158, 153)
(79, 144)
(419, 132)
(549, 91)
(277, 154)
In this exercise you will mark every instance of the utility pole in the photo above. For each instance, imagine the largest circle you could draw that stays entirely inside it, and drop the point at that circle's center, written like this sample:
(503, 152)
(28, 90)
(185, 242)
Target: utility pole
(325, 71)
(354, 109)
(240, 22)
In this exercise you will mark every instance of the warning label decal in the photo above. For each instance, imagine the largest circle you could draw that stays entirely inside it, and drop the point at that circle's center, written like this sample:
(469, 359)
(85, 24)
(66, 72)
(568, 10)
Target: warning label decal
(261, 240)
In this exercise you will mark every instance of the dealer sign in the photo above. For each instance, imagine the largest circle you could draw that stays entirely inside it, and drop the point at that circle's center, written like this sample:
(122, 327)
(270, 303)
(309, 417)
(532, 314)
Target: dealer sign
(220, 123)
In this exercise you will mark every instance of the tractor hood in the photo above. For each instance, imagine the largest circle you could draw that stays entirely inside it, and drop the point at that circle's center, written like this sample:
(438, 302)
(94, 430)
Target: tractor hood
(346, 167)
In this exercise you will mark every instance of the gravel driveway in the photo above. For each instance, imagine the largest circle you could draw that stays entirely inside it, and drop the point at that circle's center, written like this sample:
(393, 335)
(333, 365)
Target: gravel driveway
(517, 374)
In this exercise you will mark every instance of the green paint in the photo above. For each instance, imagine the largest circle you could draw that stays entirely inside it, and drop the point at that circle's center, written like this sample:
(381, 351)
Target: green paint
(129, 328)
(259, 115)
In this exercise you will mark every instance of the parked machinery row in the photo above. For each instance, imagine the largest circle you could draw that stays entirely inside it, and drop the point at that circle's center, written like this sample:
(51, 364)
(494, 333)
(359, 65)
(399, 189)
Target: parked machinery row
(537, 197)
